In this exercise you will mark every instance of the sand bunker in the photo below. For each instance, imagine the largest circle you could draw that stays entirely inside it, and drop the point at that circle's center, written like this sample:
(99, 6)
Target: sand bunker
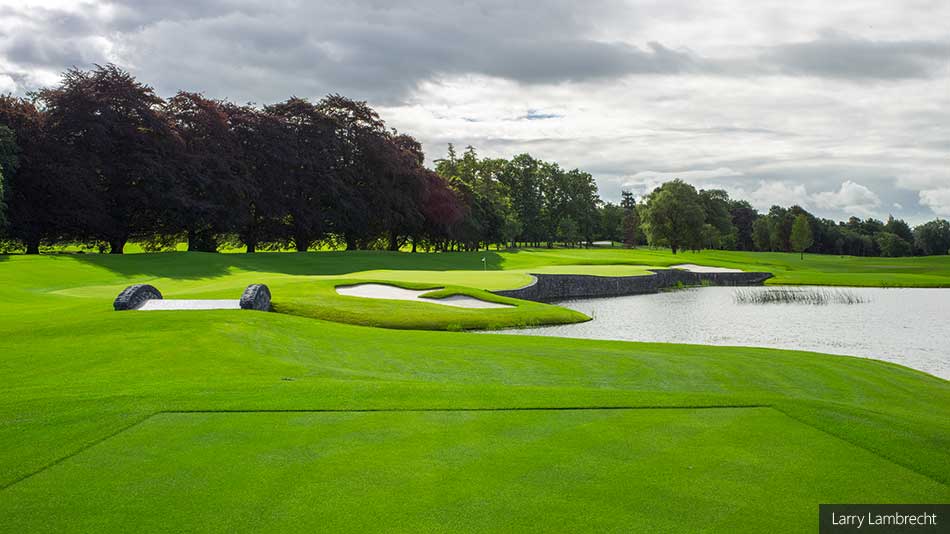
(385, 291)
(185, 304)
(692, 267)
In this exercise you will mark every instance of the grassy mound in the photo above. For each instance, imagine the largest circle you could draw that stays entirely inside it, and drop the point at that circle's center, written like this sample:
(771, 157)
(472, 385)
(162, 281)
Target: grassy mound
(319, 300)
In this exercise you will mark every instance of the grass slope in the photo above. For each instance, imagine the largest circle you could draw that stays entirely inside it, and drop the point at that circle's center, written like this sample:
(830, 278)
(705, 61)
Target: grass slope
(81, 387)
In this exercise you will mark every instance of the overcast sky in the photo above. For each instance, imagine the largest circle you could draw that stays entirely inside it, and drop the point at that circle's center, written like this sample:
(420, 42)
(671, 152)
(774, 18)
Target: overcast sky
(842, 107)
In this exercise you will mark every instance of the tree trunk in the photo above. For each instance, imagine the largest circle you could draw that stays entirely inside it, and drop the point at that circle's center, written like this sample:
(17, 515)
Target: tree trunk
(393, 242)
(674, 248)
(117, 245)
(302, 242)
(413, 245)
(251, 247)
(33, 246)
(201, 241)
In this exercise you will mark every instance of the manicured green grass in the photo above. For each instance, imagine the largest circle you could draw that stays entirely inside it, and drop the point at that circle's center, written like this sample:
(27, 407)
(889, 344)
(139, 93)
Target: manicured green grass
(484, 471)
(81, 446)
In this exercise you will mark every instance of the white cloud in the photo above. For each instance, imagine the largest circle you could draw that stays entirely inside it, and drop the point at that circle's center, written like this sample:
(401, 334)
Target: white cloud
(769, 194)
(690, 175)
(938, 200)
(7, 85)
(851, 197)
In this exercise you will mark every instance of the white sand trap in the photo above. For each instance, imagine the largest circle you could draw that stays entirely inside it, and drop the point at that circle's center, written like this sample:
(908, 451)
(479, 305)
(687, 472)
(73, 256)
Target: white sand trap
(385, 291)
(186, 304)
(692, 267)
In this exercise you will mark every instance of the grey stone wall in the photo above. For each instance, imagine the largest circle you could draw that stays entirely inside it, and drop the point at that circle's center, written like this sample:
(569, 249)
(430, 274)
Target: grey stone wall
(256, 297)
(552, 287)
(133, 297)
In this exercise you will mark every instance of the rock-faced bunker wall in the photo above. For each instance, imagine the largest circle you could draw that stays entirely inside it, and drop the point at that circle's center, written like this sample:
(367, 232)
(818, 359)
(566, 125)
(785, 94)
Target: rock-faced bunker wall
(552, 287)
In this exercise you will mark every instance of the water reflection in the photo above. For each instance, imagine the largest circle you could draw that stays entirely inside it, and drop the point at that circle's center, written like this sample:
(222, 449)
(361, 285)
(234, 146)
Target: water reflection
(906, 326)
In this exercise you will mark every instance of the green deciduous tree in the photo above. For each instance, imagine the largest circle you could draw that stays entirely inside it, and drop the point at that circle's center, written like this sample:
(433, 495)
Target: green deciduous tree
(611, 222)
(523, 176)
(893, 246)
(673, 216)
(743, 217)
(933, 238)
(722, 233)
(762, 234)
(899, 228)
(801, 236)
(632, 235)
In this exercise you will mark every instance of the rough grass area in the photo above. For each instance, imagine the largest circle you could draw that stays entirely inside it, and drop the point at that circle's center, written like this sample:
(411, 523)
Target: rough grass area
(488, 471)
(81, 446)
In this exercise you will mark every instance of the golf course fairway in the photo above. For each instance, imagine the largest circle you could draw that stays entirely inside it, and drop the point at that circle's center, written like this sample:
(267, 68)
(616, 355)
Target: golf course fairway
(235, 420)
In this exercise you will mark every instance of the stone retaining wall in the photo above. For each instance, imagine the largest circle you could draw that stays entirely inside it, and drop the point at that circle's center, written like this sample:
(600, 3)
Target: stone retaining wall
(552, 287)
(256, 297)
(133, 297)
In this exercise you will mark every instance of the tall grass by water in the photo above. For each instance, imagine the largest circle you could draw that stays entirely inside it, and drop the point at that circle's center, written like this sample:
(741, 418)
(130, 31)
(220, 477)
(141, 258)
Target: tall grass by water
(789, 295)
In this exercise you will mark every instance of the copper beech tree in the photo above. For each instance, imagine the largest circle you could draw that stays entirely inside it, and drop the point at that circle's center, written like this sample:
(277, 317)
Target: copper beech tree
(101, 159)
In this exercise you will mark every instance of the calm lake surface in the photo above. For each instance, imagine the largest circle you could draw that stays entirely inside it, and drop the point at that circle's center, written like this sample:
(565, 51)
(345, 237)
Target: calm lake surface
(906, 326)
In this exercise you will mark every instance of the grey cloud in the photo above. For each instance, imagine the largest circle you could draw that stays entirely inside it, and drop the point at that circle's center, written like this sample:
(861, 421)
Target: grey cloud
(381, 51)
(579, 60)
(725, 130)
(843, 57)
(32, 50)
(538, 115)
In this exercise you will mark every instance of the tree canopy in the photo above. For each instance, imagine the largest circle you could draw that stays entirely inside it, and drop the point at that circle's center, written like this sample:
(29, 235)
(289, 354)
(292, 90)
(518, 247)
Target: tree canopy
(8, 162)
(673, 216)
(101, 159)
(801, 237)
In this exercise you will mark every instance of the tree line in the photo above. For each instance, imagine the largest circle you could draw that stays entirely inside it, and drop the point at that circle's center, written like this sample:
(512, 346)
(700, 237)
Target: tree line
(678, 216)
(100, 160)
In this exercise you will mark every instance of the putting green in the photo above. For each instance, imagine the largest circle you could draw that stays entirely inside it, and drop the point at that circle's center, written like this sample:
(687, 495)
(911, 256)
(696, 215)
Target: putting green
(650, 470)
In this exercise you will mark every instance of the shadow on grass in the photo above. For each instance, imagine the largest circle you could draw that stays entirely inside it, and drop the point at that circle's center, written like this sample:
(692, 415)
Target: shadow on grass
(196, 265)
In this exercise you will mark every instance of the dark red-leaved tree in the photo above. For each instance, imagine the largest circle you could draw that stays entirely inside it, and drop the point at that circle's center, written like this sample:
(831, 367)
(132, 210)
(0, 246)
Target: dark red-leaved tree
(442, 207)
(359, 133)
(266, 156)
(310, 184)
(43, 204)
(209, 182)
(399, 182)
(117, 143)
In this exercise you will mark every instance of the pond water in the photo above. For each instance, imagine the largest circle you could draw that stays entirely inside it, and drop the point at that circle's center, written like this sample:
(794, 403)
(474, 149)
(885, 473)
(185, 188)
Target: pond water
(910, 327)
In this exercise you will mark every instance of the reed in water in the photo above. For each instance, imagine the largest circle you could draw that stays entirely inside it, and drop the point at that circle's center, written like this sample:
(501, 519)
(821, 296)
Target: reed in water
(791, 295)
